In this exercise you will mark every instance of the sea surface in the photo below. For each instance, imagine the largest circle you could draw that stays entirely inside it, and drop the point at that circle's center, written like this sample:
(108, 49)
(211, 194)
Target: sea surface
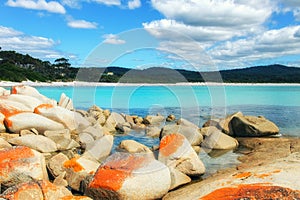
(280, 104)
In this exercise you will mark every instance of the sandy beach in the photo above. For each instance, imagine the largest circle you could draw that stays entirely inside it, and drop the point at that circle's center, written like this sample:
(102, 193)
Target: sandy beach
(95, 84)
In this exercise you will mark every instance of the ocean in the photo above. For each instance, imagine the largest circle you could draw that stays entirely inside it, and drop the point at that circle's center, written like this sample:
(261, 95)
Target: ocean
(280, 104)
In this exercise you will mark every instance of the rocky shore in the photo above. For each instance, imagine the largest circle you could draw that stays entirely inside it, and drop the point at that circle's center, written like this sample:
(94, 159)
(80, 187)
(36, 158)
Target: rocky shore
(49, 150)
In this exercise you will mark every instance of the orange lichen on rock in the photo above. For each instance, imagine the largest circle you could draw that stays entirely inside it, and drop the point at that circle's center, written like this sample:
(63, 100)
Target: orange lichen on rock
(47, 186)
(13, 157)
(112, 174)
(170, 143)
(70, 197)
(243, 175)
(14, 90)
(46, 106)
(73, 164)
(23, 190)
(253, 192)
(8, 111)
(264, 175)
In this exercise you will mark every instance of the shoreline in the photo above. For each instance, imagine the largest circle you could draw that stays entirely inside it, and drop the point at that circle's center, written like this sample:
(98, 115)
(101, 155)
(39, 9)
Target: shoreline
(96, 84)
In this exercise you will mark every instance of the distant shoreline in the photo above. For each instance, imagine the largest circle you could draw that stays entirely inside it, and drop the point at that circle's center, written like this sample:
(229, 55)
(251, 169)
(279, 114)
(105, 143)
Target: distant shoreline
(95, 84)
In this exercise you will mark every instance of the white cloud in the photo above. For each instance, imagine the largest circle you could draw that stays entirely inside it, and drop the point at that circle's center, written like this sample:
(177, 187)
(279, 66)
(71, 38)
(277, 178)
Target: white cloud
(134, 4)
(221, 13)
(8, 32)
(51, 6)
(72, 3)
(113, 39)
(268, 45)
(165, 27)
(108, 2)
(41, 47)
(82, 24)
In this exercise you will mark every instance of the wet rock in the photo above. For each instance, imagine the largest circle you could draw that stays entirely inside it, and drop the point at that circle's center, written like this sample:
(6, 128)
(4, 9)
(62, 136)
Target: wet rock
(21, 164)
(36, 142)
(225, 124)
(78, 169)
(123, 128)
(215, 139)
(191, 133)
(171, 118)
(129, 176)
(100, 148)
(21, 121)
(176, 152)
(251, 126)
(55, 164)
(132, 146)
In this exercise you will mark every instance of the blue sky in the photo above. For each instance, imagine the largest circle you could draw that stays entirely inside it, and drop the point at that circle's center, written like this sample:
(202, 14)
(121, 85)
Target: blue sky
(190, 34)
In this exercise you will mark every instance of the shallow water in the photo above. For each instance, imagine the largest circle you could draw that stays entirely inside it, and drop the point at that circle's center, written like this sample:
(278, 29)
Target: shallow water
(280, 104)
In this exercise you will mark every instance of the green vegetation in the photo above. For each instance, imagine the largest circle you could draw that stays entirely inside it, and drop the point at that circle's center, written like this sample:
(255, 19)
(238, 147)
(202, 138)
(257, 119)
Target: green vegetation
(18, 67)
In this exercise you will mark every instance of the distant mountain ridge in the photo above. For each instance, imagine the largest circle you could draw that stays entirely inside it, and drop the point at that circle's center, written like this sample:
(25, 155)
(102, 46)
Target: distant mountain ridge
(18, 67)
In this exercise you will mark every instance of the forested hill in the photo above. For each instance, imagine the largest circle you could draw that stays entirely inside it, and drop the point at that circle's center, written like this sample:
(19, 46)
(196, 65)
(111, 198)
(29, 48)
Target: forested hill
(18, 67)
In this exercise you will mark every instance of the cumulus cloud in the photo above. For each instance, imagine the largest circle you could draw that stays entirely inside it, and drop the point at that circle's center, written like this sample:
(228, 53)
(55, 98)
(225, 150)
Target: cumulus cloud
(268, 45)
(134, 4)
(221, 13)
(113, 39)
(51, 6)
(82, 24)
(41, 47)
(72, 3)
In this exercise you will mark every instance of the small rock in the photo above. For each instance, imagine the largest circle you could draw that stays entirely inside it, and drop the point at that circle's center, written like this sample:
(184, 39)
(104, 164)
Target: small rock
(95, 131)
(129, 119)
(21, 121)
(60, 180)
(78, 168)
(132, 146)
(4, 144)
(251, 126)
(153, 120)
(55, 164)
(51, 191)
(65, 102)
(176, 152)
(138, 120)
(178, 178)
(113, 120)
(153, 131)
(225, 124)
(171, 118)
(129, 176)
(21, 164)
(36, 142)
(187, 123)
(191, 133)
(84, 139)
(215, 139)
(100, 148)
(24, 191)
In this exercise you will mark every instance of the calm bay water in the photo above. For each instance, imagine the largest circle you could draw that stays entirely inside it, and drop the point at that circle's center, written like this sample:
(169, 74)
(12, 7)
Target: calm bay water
(281, 104)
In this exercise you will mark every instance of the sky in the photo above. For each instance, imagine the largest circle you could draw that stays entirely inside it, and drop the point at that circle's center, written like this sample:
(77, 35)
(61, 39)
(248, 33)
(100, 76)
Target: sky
(203, 35)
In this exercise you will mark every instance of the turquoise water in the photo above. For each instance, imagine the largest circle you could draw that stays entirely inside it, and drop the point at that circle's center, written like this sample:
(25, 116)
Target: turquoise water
(280, 104)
